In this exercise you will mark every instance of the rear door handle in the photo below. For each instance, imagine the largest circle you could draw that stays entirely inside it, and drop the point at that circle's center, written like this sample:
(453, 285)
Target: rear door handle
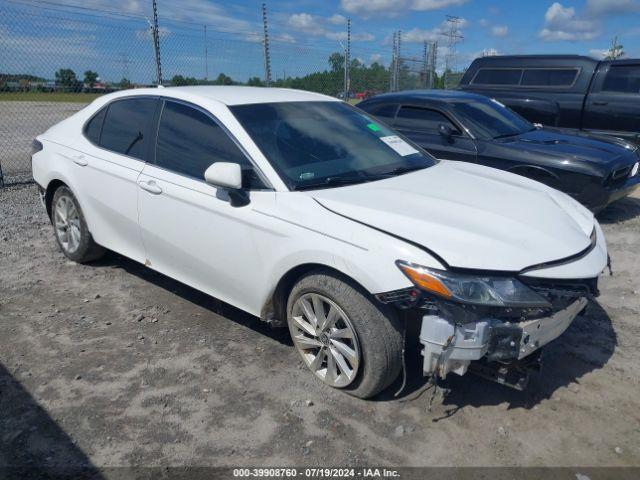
(150, 187)
(600, 103)
(79, 160)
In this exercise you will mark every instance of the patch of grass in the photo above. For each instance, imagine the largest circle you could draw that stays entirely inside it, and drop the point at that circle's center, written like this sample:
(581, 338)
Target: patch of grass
(48, 97)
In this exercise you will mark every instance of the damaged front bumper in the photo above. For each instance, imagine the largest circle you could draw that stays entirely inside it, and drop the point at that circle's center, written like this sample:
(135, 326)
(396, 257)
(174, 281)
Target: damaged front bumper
(451, 347)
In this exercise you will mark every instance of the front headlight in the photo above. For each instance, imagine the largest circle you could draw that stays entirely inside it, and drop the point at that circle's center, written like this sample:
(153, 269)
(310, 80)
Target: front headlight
(488, 290)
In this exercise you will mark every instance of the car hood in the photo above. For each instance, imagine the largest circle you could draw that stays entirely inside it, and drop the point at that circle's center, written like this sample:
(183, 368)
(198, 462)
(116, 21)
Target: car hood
(552, 143)
(470, 216)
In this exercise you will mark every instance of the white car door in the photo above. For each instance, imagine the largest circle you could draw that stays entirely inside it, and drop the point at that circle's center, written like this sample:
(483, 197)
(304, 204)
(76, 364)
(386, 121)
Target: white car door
(115, 145)
(190, 229)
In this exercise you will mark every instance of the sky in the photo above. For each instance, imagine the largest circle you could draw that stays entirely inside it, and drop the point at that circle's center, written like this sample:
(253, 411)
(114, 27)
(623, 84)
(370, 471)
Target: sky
(112, 36)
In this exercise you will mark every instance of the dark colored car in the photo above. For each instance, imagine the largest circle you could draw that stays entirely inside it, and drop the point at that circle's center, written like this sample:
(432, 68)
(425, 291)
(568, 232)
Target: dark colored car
(568, 91)
(455, 125)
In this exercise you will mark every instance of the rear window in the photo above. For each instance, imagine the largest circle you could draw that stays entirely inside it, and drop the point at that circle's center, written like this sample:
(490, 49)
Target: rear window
(94, 127)
(549, 77)
(526, 77)
(498, 76)
(125, 126)
(622, 79)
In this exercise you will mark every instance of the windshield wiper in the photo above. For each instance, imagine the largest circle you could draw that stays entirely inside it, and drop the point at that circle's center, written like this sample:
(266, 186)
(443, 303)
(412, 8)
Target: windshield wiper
(333, 181)
(400, 171)
(506, 135)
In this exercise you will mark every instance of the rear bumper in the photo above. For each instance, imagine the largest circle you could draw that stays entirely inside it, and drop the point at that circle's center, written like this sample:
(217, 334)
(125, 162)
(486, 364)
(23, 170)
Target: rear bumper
(449, 347)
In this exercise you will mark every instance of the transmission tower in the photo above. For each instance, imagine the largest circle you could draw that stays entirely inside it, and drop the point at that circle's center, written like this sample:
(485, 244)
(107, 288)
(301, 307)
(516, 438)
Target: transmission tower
(453, 36)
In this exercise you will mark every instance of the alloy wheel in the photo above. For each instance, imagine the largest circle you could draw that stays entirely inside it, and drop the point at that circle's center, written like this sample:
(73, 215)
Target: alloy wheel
(326, 339)
(67, 224)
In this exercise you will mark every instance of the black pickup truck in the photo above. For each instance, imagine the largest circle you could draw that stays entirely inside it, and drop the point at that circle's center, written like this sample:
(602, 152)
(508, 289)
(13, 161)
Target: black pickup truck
(565, 91)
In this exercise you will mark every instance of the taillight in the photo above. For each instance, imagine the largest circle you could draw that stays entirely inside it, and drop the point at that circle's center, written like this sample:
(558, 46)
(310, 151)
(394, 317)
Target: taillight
(36, 146)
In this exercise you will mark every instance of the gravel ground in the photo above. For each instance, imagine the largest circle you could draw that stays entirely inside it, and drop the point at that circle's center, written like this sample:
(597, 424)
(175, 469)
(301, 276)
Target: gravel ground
(111, 364)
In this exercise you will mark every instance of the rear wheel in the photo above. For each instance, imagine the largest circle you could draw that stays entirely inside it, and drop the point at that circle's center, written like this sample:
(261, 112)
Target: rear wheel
(70, 228)
(345, 339)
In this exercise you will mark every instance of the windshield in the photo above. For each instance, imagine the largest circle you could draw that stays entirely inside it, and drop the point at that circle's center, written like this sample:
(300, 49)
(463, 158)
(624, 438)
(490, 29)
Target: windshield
(488, 119)
(324, 144)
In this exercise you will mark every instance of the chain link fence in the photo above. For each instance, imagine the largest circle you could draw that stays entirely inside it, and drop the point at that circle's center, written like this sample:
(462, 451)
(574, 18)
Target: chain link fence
(56, 58)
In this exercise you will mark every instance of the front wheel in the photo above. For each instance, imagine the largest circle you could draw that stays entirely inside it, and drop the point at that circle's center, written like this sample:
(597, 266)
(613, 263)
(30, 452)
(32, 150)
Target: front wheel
(71, 229)
(345, 339)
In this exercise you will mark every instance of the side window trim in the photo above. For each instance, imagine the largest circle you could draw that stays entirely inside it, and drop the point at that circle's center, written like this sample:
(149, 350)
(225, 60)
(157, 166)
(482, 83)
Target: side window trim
(148, 126)
(459, 131)
(158, 117)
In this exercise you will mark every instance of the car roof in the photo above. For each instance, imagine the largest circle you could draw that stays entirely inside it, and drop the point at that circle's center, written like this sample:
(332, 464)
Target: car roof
(230, 95)
(417, 95)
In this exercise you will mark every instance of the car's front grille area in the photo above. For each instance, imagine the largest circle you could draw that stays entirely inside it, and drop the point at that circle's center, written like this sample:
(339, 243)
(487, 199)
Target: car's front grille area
(561, 293)
(618, 176)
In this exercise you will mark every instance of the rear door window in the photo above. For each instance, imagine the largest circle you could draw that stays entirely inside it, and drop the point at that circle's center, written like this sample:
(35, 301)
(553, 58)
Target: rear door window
(421, 119)
(126, 125)
(498, 76)
(549, 77)
(622, 79)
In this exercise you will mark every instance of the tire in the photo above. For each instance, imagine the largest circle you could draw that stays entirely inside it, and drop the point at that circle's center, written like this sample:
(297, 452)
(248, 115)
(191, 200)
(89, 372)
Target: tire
(376, 342)
(70, 228)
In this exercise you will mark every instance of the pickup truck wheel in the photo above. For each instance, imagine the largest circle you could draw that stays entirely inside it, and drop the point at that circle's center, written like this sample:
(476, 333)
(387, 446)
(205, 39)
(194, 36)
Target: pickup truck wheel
(70, 228)
(346, 340)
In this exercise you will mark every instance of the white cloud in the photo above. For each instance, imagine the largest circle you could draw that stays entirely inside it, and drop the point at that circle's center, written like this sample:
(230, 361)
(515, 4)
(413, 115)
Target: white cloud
(337, 19)
(306, 23)
(599, 54)
(434, 4)
(484, 22)
(419, 35)
(499, 30)
(375, 58)
(316, 26)
(562, 24)
(394, 7)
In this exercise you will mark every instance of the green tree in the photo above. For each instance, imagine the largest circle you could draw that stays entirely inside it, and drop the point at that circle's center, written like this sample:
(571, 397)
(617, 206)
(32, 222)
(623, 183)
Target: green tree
(90, 78)
(66, 77)
(224, 80)
(124, 83)
(255, 82)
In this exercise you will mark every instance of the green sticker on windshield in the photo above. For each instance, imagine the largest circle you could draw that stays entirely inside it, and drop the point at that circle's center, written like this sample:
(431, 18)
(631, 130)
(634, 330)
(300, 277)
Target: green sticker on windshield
(373, 127)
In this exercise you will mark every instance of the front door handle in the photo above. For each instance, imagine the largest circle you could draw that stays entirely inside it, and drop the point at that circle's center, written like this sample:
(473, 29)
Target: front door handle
(600, 103)
(150, 187)
(79, 160)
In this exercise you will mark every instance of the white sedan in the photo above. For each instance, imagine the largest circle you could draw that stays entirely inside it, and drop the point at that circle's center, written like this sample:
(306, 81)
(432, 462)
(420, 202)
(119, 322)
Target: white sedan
(307, 212)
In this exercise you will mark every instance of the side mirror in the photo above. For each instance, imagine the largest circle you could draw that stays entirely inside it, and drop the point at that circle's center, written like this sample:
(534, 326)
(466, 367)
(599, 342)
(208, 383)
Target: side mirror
(445, 131)
(225, 175)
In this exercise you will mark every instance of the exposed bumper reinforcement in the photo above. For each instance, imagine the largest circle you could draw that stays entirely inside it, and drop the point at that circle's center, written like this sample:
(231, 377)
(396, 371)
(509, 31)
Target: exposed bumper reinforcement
(451, 348)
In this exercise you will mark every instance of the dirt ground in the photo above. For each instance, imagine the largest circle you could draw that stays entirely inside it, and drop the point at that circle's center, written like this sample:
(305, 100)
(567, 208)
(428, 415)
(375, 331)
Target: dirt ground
(111, 364)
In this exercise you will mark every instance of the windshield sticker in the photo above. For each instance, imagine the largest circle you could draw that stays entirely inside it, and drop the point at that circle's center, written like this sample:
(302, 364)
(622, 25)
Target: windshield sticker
(373, 127)
(307, 176)
(399, 145)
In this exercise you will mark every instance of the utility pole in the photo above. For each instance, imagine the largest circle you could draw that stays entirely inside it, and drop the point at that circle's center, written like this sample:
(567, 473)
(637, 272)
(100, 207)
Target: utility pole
(156, 43)
(347, 62)
(392, 67)
(398, 60)
(206, 55)
(267, 58)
